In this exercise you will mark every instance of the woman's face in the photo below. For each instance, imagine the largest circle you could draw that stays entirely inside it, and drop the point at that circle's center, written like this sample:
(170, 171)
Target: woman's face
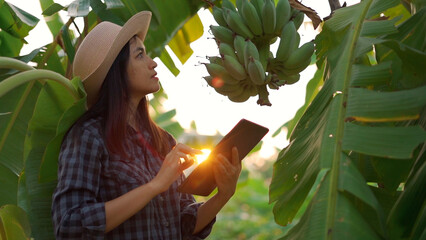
(141, 71)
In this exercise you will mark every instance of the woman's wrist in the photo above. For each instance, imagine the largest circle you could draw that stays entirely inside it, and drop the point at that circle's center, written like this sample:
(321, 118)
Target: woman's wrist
(156, 186)
(224, 196)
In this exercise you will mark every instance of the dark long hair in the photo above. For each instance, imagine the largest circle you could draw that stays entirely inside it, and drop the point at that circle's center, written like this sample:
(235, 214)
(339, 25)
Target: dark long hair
(113, 108)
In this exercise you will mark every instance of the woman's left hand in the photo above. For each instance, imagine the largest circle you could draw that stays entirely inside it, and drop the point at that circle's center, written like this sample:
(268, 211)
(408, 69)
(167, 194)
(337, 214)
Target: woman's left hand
(226, 173)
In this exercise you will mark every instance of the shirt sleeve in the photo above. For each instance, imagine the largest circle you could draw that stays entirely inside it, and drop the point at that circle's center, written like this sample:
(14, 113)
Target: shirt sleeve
(76, 212)
(189, 218)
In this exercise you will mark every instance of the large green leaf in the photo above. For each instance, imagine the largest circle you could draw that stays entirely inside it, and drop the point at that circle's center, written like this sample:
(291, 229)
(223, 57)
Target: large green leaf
(175, 24)
(15, 25)
(49, 123)
(340, 124)
(372, 106)
(190, 32)
(114, 3)
(15, 21)
(78, 8)
(54, 21)
(173, 18)
(14, 223)
(37, 112)
(408, 208)
(10, 45)
(16, 106)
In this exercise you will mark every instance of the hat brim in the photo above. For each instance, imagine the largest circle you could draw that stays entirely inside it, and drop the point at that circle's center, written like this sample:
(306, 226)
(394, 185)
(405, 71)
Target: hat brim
(136, 25)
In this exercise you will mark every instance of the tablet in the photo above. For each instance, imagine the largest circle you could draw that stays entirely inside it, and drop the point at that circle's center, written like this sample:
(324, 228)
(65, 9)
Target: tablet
(245, 136)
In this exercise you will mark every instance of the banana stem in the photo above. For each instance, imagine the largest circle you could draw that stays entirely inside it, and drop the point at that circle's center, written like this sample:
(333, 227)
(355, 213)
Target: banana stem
(11, 63)
(30, 75)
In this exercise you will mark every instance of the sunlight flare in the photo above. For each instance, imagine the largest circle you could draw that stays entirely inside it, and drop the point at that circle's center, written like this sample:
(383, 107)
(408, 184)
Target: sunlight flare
(199, 158)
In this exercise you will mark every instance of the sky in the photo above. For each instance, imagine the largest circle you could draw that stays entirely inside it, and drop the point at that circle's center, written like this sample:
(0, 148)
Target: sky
(194, 100)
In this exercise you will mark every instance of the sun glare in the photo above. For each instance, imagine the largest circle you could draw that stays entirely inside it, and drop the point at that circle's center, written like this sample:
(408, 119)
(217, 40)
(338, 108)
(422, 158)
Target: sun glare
(202, 157)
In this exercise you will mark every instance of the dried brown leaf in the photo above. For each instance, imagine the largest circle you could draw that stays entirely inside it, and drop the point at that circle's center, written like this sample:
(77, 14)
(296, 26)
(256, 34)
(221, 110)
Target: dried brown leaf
(311, 13)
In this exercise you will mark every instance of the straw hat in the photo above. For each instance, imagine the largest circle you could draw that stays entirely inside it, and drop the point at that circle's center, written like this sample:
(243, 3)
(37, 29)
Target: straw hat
(101, 46)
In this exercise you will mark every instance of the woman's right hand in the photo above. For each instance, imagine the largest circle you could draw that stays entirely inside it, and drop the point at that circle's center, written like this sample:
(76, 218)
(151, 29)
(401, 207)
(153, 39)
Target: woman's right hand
(173, 166)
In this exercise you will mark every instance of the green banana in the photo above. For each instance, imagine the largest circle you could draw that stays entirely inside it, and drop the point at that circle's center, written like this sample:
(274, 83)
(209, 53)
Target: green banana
(220, 85)
(256, 72)
(209, 80)
(228, 5)
(215, 70)
(226, 49)
(227, 78)
(289, 79)
(241, 97)
(234, 68)
(283, 14)
(268, 17)
(239, 45)
(252, 19)
(258, 4)
(215, 59)
(250, 50)
(249, 86)
(298, 19)
(236, 23)
(239, 4)
(287, 42)
(301, 67)
(292, 79)
(218, 16)
(227, 89)
(264, 55)
(252, 89)
(222, 34)
(296, 44)
(300, 56)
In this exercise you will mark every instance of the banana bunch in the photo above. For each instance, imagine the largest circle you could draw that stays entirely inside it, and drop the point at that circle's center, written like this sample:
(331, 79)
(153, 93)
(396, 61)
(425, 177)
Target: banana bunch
(254, 19)
(246, 66)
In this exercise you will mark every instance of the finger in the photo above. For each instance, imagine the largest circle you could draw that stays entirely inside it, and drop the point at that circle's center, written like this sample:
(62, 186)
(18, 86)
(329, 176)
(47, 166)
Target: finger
(186, 164)
(182, 156)
(224, 161)
(235, 156)
(221, 166)
(187, 149)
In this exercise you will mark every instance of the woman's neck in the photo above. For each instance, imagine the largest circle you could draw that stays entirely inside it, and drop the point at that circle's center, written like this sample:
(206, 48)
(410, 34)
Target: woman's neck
(132, 115)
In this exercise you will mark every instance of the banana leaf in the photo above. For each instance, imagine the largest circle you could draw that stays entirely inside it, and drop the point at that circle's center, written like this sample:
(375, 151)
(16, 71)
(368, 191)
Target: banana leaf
(16, 108)
(52, 19)
(54, 112)
(16, 21)
(363, 130)
(175, 24)
(15, 25)
(39, 113)
(14, 223)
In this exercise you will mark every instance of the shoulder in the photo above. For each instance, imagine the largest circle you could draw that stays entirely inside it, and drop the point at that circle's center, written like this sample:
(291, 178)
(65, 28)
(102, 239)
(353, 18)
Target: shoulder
(91, 126)
(88, 130)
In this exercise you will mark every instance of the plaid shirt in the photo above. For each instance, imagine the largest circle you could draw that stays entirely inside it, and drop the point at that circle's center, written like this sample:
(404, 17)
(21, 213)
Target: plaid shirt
(88, 176)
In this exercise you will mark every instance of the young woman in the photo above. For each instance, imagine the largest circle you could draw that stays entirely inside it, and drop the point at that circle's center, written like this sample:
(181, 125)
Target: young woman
(118, 171)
